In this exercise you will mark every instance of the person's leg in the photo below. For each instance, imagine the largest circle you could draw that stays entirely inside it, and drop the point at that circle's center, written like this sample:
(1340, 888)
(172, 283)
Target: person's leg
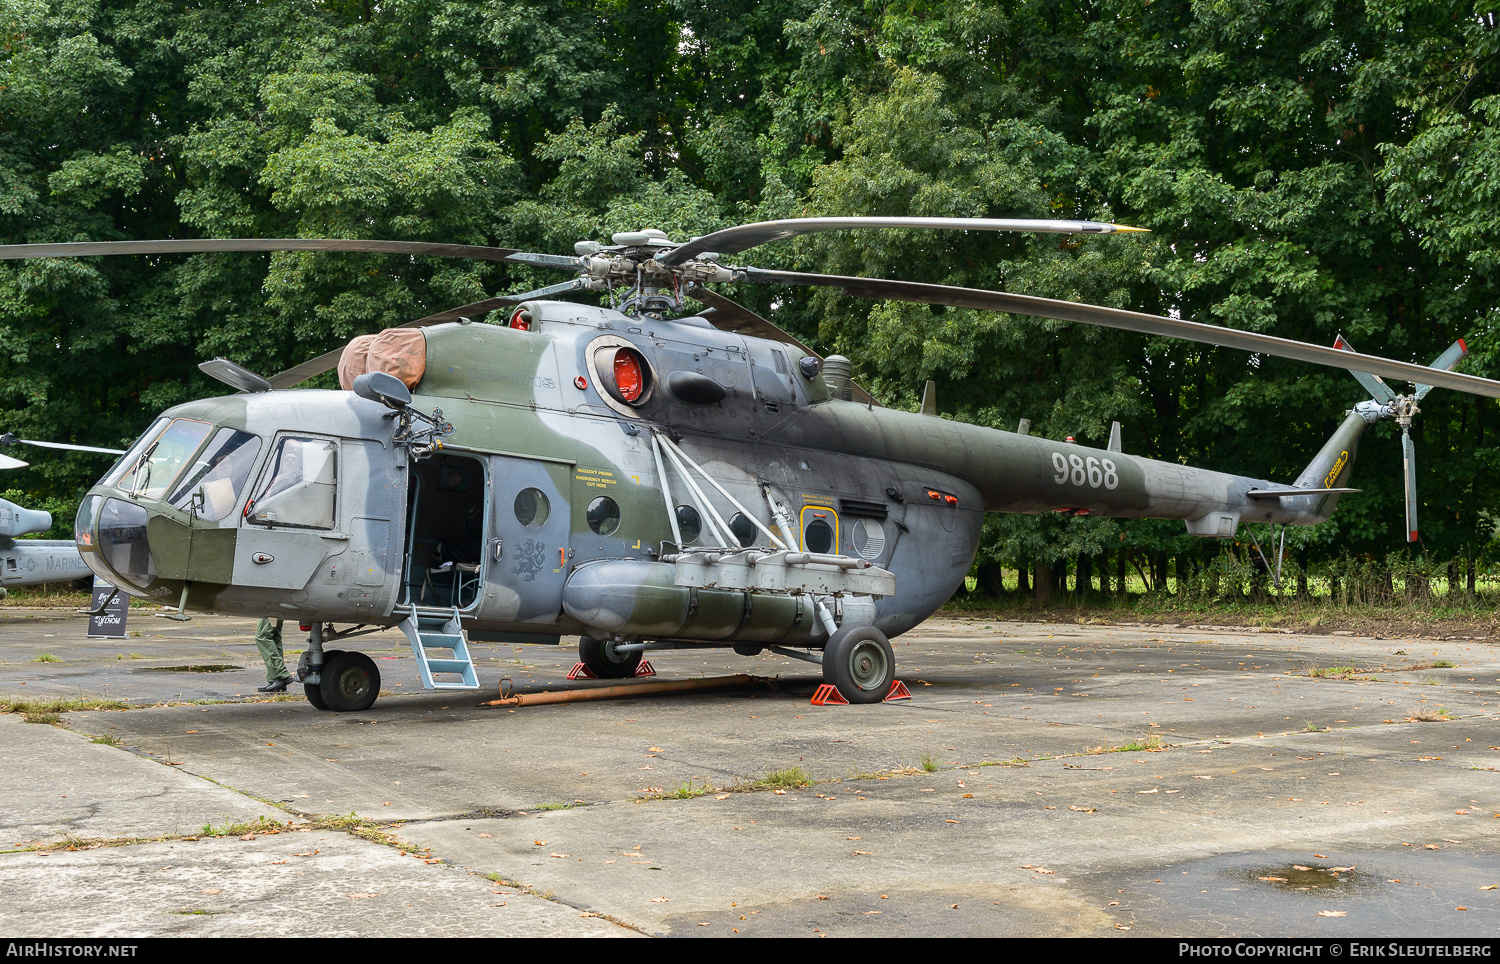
(268, 641)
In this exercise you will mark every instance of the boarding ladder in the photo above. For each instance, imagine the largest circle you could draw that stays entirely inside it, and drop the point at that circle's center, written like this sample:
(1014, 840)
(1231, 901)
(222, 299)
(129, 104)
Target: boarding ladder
(431, 628)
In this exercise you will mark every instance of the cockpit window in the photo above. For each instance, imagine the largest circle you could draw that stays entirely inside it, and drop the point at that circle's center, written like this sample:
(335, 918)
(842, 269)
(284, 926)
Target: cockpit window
(219, 473)
(129, 460)
(298, 487)
(159, 462)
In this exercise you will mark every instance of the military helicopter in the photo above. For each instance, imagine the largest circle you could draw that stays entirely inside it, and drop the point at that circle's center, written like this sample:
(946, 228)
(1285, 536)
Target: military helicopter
(640, 475)
(30, 562)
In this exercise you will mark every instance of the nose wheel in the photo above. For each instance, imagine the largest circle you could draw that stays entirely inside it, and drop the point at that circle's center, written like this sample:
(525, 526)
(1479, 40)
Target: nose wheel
(314, 691)
(349, 683)
(860, 664)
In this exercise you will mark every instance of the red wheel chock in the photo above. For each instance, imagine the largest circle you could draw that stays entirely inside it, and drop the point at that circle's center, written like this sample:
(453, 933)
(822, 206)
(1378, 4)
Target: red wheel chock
(580, 671)
(828, 695)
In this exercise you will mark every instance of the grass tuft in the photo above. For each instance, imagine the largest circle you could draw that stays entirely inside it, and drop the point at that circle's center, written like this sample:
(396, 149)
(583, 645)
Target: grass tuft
(1333, 672)
(929, 763)
(683, 791)
(258, 825)
(1430, 715)
(47, 658)
(1145, 743)
(12, 705)
(790, 778)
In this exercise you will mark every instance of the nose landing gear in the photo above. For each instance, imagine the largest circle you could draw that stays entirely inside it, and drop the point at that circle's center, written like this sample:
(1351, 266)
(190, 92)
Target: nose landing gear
(349, 682)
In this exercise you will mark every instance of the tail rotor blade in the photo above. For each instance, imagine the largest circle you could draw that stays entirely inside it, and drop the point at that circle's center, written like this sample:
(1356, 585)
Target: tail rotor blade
(1449, 359)
(1373, 384)
(1409, 464)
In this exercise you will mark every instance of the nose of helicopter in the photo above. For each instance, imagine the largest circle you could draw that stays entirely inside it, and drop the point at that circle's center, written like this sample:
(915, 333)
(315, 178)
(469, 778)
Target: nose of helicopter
(111, 538)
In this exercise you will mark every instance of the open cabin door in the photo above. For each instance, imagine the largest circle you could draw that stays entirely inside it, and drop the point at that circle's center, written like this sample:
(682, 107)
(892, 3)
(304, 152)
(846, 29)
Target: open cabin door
(446, 533)
(526, 558)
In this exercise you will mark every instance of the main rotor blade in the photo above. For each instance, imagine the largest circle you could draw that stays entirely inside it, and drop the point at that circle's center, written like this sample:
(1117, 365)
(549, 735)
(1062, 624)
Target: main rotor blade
(1409, 466)
(1378, 389)
(6, 462)
(330, 360)
(9, 439)
(1454, 354)
(746, 236)
(732, 316)
(880, 289)
(83, 249)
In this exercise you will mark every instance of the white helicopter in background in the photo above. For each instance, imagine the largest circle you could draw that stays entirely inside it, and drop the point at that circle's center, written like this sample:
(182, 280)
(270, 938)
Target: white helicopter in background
(31, 562)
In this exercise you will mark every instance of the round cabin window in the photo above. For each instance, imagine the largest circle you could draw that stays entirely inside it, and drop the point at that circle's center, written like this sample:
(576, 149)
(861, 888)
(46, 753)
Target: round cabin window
(532, 508)
(689, 523)
(743, 529)
(818, 536)
(604, 515)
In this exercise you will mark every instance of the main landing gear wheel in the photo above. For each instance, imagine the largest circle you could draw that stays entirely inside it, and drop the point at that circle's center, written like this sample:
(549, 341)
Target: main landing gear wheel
(859, 662)
(351, 682)
(604, 661)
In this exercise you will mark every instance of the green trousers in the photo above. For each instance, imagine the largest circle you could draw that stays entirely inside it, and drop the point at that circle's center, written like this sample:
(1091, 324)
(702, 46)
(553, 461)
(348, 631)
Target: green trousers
(268, 641)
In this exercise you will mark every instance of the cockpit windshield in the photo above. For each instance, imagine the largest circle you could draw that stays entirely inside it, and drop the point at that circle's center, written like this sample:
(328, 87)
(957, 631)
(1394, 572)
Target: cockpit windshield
(153, 462)
(219, 473)
(131, 459)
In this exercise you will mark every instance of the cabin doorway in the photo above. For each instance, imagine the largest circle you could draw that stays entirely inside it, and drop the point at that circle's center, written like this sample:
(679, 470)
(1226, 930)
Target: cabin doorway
(446, 533)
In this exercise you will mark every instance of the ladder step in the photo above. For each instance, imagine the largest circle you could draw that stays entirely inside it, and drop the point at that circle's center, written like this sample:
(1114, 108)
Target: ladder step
(429, 629)
(442, 641)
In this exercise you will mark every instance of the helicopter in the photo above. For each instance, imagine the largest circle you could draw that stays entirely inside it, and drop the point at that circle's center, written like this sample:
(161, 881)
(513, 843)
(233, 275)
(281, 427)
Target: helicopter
(640, 475)
(30, 562)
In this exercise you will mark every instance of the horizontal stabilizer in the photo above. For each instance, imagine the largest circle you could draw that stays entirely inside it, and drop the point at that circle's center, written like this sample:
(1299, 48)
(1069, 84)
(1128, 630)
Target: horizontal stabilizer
(1288, 493)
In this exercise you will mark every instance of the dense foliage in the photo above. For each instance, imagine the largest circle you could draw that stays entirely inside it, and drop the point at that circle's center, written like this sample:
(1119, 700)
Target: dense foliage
(1307, 167)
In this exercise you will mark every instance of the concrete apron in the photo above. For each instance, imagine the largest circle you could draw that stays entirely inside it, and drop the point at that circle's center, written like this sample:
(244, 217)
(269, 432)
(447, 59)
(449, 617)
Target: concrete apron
(978, 808)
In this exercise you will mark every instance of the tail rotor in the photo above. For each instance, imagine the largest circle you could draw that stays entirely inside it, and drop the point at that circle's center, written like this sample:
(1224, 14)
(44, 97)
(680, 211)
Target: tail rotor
(1388, 403)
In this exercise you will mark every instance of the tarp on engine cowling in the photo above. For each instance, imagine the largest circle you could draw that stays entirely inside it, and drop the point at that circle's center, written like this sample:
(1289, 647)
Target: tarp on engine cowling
(396, 351)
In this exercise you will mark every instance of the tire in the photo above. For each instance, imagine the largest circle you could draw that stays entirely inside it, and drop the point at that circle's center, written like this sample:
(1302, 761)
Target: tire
(351, 681)
(859, 662)
(603, 662)
(313, 691)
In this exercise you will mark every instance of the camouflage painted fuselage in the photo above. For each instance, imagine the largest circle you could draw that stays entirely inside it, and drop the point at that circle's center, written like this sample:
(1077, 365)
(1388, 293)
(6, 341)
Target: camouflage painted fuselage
(903, 490)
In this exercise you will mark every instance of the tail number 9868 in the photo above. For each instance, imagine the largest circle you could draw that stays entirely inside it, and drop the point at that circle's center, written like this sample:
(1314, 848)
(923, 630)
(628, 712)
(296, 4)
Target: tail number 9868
(1084, 471)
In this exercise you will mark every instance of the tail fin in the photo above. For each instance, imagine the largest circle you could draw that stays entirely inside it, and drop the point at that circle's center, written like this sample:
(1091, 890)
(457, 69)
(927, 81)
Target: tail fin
(1329, 469)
